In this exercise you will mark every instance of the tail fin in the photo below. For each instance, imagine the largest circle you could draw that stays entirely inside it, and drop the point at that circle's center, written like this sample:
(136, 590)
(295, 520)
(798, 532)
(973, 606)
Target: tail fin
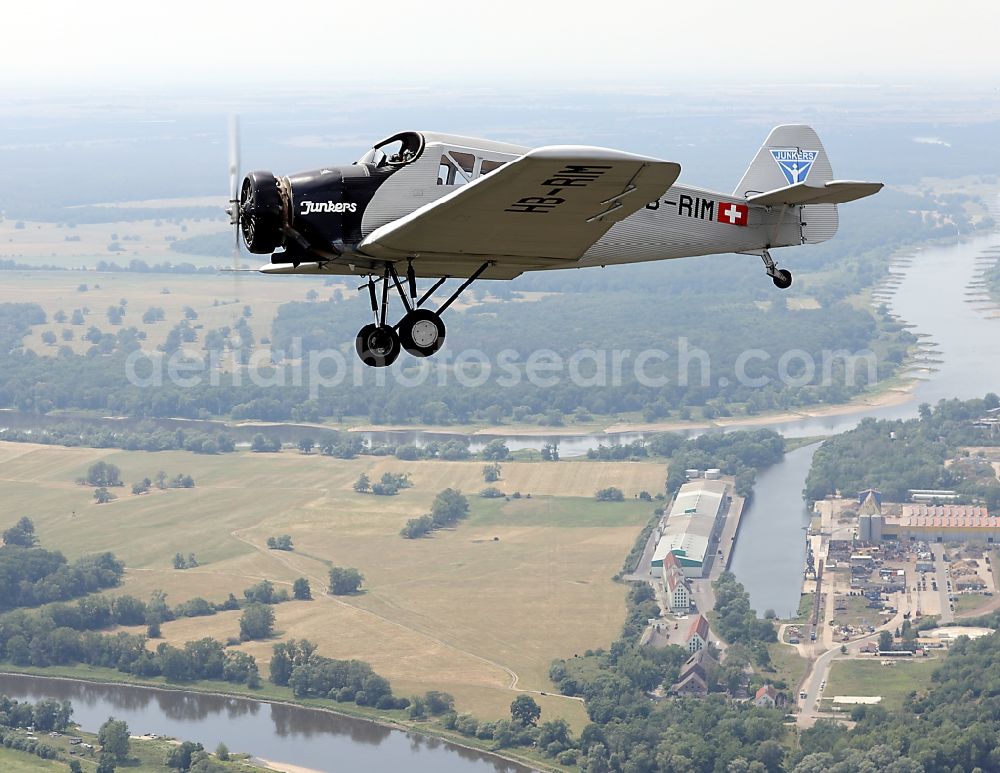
(792, 154)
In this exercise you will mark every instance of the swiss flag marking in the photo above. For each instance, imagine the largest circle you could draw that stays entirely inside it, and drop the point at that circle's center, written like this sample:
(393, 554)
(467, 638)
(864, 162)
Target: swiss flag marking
(734, 214)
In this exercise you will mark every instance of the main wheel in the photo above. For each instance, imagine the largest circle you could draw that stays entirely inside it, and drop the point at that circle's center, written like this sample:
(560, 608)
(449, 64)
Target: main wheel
(377, 345)
(421, 332)
(782, 279)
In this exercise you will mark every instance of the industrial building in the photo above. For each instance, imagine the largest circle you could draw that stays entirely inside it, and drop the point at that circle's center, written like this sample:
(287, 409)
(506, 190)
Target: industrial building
(943, 523)
(693, 523)
(927, 523)
(870, 518)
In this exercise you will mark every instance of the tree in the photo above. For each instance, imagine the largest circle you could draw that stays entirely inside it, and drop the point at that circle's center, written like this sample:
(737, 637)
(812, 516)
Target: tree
(257, 622)
(49, 338)
(491, 472)
(438, 702)
(75, 767)
(222, 752)
(345, 580)
(103, 474)
(106, 764)
(301, 590)
(610, 494)
(179, 757)
(496, 451)
(363, 484)
(142, 486)
(525, 711)
(114, 739)
(102, 496)
(449, 507)
(280, 542)
(885, 641)
(306, 445)
(22, 533)
(262, 443)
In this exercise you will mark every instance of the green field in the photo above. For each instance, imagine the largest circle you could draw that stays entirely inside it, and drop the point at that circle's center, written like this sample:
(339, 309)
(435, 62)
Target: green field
(472, 610)
(145, 755)
(870, 677)
(22, 762)
(788, 665)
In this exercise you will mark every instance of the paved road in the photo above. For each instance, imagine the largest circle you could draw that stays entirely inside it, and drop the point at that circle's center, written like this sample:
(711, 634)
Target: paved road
(943, 576)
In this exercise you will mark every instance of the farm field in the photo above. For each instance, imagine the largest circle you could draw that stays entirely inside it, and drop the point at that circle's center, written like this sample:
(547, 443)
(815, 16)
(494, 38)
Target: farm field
(870, 677)
(218, 299)
(475, 610)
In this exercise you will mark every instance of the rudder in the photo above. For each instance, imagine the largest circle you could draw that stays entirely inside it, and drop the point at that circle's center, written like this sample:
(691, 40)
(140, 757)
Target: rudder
(793, 153)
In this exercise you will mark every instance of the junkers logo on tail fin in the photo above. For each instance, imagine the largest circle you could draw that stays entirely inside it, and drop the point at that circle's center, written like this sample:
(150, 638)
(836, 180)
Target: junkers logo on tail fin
(794, 163)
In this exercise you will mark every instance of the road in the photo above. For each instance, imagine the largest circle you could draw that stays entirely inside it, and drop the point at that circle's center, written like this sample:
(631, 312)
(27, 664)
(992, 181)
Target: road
(819, 671)
(943, 575)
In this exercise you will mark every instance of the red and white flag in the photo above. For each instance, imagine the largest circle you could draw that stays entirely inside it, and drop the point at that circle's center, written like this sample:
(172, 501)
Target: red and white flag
(734, 214)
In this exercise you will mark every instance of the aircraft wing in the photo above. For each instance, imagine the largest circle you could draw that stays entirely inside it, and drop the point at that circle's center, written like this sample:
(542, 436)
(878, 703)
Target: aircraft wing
(833, 192)
(545, 208)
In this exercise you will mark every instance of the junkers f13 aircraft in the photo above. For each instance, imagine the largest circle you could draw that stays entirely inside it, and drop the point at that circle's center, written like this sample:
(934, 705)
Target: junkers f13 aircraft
(438, 206)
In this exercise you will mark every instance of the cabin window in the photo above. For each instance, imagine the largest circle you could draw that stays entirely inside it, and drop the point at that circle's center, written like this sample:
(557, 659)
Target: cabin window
(489, 166)
(456, 168)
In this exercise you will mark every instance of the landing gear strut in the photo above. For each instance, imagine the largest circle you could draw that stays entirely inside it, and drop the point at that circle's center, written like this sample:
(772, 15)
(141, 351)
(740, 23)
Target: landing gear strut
(781, 277)
(378, 344)
(421, 331)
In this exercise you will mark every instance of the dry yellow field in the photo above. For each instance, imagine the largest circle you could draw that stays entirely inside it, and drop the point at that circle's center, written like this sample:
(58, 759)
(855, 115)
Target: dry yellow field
(476, 611)
(217, 298)
(86, 244)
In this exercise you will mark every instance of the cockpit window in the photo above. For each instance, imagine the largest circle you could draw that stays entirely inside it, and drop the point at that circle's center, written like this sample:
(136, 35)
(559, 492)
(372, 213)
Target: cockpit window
(398, 150)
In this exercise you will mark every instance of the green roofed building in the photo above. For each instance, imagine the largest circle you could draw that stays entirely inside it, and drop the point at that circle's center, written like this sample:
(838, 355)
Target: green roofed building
(693, 522)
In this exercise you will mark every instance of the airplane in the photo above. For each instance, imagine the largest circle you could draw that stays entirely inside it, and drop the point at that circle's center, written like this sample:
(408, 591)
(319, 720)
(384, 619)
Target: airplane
(442, 206)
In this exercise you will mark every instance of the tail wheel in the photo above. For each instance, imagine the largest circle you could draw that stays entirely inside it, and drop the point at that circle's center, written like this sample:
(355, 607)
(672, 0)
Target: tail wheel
(377, 345)
(421, 332)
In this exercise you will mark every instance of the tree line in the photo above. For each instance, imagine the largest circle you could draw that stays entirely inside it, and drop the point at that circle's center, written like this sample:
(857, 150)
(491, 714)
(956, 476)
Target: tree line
(896, 456)
(31, 576)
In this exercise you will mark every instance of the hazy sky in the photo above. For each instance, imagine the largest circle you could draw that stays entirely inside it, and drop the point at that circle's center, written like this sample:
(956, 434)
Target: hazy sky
(326, 42)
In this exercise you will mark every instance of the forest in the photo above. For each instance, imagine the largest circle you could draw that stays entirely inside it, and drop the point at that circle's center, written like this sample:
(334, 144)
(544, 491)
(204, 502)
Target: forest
(895, 456)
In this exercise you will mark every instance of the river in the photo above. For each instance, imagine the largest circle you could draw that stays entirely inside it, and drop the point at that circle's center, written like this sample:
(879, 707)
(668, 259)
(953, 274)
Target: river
(308, 738)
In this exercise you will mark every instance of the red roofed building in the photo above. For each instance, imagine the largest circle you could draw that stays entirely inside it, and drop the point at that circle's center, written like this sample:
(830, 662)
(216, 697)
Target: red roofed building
(675, 584)
(768, 697)
(697, 637)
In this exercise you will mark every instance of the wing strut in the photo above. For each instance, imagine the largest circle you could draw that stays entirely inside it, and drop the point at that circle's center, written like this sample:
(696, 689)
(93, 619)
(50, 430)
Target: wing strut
(465, 284)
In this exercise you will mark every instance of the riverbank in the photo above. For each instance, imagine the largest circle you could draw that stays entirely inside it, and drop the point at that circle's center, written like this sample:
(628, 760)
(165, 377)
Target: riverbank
(271, 695)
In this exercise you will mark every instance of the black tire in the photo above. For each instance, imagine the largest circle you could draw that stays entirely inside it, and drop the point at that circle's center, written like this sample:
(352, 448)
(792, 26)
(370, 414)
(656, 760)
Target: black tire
(782, 279)
(378, 346)
(421, 332)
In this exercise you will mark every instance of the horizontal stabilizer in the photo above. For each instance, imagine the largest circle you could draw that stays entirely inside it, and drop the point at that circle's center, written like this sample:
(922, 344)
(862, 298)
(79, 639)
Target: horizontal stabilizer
(833, 192)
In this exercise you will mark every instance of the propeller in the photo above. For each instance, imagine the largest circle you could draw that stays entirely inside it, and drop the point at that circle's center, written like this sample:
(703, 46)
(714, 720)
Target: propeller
(233, 209)
(234, 186)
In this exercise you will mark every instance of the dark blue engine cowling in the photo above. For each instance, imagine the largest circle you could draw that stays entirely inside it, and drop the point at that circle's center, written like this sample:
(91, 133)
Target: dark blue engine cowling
(310, 214)
(298, 212)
